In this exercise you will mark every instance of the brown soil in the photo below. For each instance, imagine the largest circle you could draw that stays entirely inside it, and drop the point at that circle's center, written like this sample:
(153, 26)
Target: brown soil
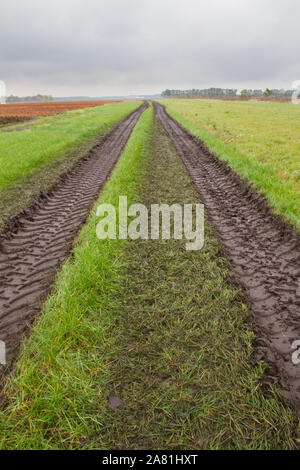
(263, 250)
(41, 240)
(17, 110)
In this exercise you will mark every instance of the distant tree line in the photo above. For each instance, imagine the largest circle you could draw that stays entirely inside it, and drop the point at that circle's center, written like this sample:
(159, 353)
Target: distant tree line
(227, 92)
(36, 98)
(210, 92)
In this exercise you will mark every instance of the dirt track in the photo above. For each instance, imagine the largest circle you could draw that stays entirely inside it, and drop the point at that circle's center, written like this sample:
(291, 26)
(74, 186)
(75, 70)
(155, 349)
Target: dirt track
(30, 257)
(264, 253)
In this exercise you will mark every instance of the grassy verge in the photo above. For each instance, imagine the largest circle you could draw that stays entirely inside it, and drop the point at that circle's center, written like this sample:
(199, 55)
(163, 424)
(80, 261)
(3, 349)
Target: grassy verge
(23, 153)
(33, 158)
(154, 326)
(259, 140)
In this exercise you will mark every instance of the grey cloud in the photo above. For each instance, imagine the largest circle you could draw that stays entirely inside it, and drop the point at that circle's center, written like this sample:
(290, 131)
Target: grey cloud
(99, 47)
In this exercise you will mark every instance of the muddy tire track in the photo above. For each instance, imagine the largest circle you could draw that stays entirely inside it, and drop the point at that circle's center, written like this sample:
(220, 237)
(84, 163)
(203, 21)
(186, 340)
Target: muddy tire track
(263, 250)
(30, 257)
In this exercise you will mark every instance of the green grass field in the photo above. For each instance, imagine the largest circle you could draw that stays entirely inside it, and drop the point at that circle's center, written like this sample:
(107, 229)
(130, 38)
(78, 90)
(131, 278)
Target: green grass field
(148, 322)
(33, 158)
(22, 153)
(260, 141)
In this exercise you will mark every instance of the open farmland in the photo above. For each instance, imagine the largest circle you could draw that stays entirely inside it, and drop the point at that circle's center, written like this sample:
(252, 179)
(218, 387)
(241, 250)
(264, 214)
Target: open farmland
(138, 343)
(33, 158)
(31, 110)
(149, 230)
(260, 141)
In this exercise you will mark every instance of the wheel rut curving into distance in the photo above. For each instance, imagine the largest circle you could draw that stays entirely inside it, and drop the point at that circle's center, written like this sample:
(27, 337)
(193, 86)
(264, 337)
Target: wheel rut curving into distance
(30, 257)
(264, 252)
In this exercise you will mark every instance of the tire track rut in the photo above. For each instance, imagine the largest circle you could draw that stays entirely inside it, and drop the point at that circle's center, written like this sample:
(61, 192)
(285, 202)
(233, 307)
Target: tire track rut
(30, 257)
(263, 250)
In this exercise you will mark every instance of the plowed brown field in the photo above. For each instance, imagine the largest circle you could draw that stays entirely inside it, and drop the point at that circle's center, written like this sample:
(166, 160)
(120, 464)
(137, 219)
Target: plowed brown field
(43, 109)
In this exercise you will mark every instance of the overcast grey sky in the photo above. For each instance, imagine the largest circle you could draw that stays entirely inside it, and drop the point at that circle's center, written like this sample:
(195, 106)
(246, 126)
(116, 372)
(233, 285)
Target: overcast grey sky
(111, 47)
